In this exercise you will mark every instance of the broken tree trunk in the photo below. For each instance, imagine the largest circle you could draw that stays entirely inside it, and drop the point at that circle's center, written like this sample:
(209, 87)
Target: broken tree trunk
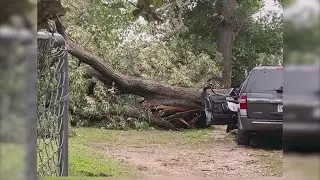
(184, 104)
(155, 92)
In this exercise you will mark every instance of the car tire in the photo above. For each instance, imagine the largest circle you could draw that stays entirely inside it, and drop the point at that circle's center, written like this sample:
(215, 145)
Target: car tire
(243, 137)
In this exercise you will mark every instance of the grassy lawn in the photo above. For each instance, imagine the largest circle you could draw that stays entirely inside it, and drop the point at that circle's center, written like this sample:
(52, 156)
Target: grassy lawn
(84, 160)
(11, 160)
(134, 138)
(84, 178)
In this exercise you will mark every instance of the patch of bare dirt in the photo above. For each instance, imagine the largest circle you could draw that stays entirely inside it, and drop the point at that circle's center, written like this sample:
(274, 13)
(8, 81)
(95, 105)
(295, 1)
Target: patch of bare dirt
(216, 158)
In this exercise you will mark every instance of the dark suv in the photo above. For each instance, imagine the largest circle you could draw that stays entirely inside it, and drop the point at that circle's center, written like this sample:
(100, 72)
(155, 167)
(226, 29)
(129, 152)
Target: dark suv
(260, 101)
(301, 129)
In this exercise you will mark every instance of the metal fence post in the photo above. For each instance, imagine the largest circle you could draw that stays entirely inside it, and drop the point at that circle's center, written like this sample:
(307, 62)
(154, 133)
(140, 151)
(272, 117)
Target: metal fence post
(18, 58)
(64, 133)
(31, 125)
(53, 105)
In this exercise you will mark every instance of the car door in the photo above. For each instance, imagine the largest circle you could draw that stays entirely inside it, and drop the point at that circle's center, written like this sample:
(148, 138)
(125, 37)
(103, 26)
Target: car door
(216, 108)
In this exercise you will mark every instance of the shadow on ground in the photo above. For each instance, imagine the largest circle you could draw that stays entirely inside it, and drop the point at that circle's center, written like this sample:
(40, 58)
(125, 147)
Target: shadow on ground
(275, 142)
(302, 149)
(267, 141)
(264, 141)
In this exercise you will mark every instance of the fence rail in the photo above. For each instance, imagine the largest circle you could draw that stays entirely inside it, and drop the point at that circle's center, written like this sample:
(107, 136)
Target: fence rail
(52, 105)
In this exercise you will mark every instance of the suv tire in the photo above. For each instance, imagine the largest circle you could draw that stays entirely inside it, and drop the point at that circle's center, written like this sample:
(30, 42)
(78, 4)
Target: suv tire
(243, 137)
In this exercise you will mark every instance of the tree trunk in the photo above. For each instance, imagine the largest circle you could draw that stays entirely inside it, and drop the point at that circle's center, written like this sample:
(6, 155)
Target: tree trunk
(226, 9)
(155, 92)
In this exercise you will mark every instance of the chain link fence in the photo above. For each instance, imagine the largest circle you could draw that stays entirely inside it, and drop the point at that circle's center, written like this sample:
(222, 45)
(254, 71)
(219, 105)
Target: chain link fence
(52, 105)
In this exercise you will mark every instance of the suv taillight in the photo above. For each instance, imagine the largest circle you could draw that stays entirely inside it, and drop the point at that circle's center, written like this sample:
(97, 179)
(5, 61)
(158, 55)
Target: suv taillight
(243, 102)
(280, 67)
(243, 105)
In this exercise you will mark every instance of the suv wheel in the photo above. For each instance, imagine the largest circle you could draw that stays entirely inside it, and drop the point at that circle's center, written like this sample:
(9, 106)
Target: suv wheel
(243, 137)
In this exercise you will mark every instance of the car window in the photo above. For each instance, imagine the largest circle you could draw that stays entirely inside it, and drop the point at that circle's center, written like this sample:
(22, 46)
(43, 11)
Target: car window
(301, 81)
(264, 81)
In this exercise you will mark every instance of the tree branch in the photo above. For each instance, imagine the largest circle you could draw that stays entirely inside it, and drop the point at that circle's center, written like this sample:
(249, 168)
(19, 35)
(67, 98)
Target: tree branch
(180, 24)
(242, 25)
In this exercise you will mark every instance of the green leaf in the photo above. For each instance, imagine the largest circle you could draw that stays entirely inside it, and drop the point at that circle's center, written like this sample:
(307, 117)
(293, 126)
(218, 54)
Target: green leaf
(136, 12)
(117, 5)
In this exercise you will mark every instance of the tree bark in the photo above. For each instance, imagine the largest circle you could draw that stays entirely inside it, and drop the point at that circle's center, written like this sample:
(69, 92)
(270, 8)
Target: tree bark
(226, 9)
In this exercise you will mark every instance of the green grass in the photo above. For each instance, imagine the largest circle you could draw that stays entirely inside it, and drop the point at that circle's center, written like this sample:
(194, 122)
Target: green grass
(85, 159)
(85, 178)
(12, 159)
(134, 138)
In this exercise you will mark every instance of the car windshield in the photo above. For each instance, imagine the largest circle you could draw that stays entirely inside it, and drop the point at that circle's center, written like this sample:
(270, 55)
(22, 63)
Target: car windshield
(265, 80)
(301, 81)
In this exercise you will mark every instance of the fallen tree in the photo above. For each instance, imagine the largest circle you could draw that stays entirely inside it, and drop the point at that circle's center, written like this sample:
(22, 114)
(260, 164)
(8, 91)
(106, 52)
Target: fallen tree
(172, 106)
(156, 93)
(172, 102)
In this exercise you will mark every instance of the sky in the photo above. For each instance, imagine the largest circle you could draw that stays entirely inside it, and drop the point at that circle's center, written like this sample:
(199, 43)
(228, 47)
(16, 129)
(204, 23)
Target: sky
(270, 5)
(302, 10)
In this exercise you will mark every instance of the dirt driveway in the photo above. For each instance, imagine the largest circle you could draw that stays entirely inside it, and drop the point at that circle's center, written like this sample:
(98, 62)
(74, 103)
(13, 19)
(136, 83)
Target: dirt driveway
(214, 154)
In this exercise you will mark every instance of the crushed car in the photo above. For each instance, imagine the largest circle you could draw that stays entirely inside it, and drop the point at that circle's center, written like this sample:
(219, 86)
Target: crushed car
(221, 107)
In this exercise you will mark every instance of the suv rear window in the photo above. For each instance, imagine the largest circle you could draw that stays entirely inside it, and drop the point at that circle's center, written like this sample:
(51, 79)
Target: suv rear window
(264, 81)
(301, 81)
